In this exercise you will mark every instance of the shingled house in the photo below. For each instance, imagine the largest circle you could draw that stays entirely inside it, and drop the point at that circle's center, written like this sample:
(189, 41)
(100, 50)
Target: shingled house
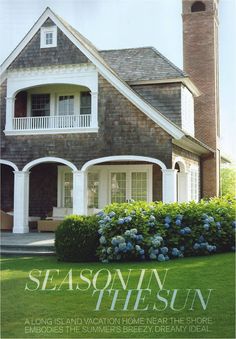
(82, 128)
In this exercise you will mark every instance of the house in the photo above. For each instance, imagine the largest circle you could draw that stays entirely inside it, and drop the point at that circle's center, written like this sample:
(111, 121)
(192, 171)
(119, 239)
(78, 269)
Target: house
(82, 127)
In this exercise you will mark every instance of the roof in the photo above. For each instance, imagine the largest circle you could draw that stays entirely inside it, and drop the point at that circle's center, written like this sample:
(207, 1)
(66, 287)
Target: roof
(144, 63)
(108, 67)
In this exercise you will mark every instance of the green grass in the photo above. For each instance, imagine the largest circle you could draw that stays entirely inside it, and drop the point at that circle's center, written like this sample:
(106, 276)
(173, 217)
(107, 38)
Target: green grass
(23, 309)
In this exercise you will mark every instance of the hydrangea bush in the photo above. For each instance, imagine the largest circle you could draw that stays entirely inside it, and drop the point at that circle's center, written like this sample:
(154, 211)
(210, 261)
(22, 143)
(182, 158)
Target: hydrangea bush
(157, 231)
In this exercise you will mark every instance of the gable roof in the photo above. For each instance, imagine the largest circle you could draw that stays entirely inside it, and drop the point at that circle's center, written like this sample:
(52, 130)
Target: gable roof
(144, 63)
(103, 67)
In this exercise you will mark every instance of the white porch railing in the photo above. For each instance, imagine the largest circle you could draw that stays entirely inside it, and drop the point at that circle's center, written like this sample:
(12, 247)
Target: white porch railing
(52, 122)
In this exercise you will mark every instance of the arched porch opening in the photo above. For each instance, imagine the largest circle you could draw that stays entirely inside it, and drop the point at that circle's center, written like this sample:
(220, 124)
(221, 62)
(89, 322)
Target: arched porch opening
(122, 179)
(7, 194)
(181, 180)
(44, 194)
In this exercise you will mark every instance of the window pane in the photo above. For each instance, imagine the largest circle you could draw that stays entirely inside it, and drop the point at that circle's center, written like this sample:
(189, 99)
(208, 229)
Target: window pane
(40, 105)
(49, 37)
(118, 187)
(85, 103)
(68, 186)
(93, 187)
(66, 105)
(139, 186)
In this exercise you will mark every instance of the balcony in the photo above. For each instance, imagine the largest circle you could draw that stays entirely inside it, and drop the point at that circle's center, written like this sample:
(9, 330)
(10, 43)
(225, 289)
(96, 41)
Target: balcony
(52, 122)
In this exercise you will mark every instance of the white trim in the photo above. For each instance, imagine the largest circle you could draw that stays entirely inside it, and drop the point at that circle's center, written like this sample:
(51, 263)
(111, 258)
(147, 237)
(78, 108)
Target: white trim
(184, 80)
(48, 159)
(9, 163)
(21, 202)
(183, 167)
(43, 31)
(169, 190)
(103, 69)
(53, 131)
(122, 158)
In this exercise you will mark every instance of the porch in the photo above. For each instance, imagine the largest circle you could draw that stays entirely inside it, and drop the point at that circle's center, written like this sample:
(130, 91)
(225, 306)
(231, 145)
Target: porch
(48, 189)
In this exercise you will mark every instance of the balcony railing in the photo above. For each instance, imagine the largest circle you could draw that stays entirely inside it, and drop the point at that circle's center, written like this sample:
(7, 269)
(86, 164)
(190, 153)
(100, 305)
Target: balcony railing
(52, 122)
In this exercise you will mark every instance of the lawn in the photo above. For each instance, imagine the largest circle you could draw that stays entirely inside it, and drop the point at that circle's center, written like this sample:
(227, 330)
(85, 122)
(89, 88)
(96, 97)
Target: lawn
(70, 313)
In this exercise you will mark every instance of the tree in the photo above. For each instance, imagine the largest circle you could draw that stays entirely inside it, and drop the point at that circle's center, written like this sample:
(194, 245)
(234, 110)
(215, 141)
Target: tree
(228, 181)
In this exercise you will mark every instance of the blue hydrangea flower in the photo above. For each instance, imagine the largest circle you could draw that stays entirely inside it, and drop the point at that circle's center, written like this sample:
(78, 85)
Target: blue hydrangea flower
(167, 225)
(178, 222)
(182, 248)
(234, 224)
(187, 230)
(141, 252)
(167, 219)
(114, 241)
(137, 248)
(107, 219)
(109, 250)
(139, 237)
(152, 218)
(127, 233)
(164, 250)
(175, 252)
(152, 256)
(218, 224)
(179, 217)
(102, 240)
(120, 221)
(100, 231)
(120, 239)
(201, 238)
(129, 246)
(134, 231)
(211, 219)
(122, 246)
(127, 219)
(101, 222)
(111, 214)
(167, 258)
(161, 257)
(116, 250)
(182, 231)
(196, 246)
(100, 214)
(206, 227)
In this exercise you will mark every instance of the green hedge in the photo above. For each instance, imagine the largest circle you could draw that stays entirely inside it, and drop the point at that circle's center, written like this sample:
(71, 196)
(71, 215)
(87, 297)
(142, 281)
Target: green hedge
(76, 238)
(157, 231)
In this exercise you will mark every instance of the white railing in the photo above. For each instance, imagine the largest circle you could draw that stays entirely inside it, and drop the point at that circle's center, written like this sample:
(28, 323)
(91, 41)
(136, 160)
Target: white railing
(52, 122)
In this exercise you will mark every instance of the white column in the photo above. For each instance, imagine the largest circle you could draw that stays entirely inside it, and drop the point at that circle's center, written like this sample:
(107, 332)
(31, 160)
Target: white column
(79, 193)
(183, 191)
(10, 107)
(21, 202)
(169, 189)
(94, 109)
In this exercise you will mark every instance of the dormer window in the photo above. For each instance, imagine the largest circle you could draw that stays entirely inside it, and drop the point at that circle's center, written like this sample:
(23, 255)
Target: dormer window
(48, 37)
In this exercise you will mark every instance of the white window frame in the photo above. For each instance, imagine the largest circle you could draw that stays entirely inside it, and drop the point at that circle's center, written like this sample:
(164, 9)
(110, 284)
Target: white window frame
(194, 186)
(43, 34)
(129, 169)
(187, 110)
(61, 170)
(76, 101)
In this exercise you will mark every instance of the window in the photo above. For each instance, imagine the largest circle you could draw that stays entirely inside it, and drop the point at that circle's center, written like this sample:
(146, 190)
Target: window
(118, 187)
(139, 186)
(194, 183)
(93, 189)
(40, 105)
(85, 103)
(48, 37)
(68, 186)
(130, 183)
(65, 187)
(198, 6)
(66, 105)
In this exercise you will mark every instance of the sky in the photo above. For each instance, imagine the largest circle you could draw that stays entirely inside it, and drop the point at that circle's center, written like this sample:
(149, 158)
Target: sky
(111, 24)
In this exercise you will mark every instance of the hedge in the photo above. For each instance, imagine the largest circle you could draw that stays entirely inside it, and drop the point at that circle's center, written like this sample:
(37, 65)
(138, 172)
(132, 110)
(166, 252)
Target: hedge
(158, 231)
(76, 238)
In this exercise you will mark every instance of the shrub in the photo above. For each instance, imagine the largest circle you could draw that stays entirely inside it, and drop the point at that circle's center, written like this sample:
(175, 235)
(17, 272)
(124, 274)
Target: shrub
(76, 238)
(157, 231)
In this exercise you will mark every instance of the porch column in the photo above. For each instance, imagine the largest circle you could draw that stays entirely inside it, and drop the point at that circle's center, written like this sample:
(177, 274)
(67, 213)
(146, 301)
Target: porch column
(183, 190)
(169, 189)
(21, 202)
(94, 108)
(10, 106)
(79, 193)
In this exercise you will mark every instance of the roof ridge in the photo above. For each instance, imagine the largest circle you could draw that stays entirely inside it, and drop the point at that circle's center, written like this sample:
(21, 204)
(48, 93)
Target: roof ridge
(124, 49)
(169, 62)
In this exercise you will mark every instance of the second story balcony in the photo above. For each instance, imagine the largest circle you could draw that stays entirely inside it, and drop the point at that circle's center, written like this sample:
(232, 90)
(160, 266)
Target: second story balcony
(51, 108)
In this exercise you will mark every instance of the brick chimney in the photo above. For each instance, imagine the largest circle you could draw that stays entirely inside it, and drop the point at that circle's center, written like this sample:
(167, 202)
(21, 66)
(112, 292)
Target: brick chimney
(200, 51)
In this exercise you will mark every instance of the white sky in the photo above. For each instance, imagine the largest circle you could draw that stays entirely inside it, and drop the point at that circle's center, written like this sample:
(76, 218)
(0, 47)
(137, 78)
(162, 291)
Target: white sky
(132, 23)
